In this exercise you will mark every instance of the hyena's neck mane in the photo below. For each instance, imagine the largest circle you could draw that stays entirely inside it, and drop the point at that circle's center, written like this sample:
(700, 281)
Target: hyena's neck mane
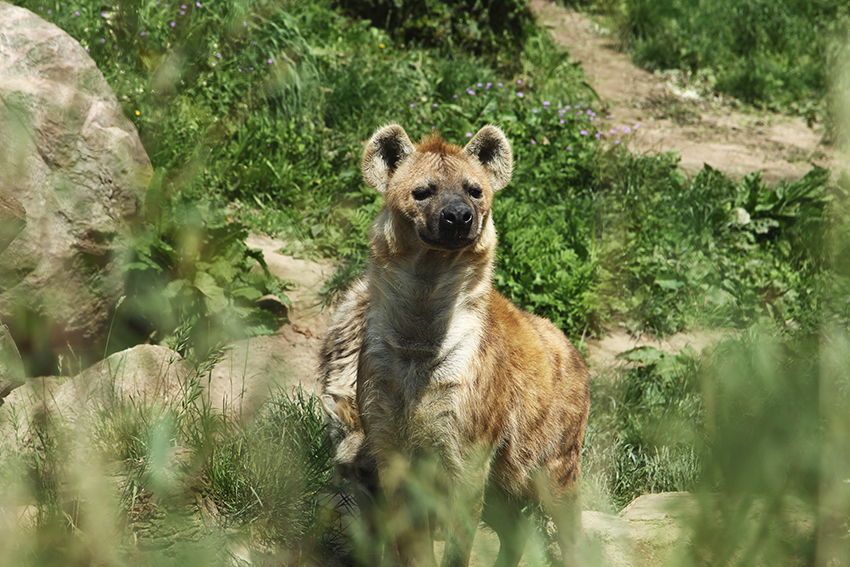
(419, 295)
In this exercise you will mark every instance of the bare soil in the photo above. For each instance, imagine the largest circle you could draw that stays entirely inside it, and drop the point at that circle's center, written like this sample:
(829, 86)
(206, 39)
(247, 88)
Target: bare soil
(254, 367)
(675, 113)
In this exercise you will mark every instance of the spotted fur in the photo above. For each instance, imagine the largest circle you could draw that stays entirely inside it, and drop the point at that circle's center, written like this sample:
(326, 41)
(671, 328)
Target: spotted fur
(427, 368)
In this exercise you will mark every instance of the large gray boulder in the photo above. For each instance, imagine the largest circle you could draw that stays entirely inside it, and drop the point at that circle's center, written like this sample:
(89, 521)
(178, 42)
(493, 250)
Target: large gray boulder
(76, 165)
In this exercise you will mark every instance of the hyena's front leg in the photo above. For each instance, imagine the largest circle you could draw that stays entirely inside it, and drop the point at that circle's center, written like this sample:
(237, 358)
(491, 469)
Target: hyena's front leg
(464, 509)
(409, 504)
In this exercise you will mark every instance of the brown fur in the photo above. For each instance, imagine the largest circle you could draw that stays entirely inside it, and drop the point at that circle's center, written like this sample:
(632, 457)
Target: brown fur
(428, 371)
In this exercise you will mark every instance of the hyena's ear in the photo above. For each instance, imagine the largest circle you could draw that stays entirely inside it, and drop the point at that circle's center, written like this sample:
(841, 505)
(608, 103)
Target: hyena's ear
(383, 154)
(492, 150)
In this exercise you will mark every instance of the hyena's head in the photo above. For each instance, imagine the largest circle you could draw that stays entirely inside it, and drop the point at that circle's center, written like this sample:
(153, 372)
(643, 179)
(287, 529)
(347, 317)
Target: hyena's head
(440, 192)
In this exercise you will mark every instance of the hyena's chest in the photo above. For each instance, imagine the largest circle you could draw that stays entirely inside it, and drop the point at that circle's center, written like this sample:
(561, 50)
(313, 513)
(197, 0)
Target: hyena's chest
(416, 394)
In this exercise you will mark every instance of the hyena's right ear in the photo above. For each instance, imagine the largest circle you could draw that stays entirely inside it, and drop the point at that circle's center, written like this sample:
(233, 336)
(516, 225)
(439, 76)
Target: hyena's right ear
(383, 154)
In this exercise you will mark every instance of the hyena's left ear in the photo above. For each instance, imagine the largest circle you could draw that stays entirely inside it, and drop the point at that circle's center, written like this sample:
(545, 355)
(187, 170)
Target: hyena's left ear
(490, 147)
(383, 154)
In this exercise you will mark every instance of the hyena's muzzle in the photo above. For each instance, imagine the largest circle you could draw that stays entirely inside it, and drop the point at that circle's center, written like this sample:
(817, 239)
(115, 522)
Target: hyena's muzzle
(453, 219)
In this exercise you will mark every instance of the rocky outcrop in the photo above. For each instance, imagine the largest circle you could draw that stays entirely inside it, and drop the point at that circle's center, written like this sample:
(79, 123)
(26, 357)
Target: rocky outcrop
(76, 166)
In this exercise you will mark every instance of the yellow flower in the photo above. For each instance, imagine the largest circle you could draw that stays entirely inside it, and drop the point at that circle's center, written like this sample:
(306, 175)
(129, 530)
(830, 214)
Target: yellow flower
(381, 45)
(138, 113)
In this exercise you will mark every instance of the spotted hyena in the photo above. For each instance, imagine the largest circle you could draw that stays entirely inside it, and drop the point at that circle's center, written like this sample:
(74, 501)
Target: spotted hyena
(438, 391)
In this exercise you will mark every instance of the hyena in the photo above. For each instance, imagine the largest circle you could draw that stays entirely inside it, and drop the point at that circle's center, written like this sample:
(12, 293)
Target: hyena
(437, 382)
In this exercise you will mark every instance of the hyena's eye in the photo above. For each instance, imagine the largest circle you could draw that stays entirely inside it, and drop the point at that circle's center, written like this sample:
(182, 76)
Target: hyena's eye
(422, 193)
(473, 191)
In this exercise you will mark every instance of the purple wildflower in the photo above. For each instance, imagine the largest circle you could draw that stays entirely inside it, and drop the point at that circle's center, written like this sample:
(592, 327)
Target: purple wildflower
(583, 132)
(626, 129)
(173, 25)
(435, 105)
(271, 61)
(469, 134)
(613, 130)
(471, 92)
(520, 95)
(546, 103)
(103, 14)
(76, 13)
(617, 141)
(569, 148)
(533, 143)
(562, 120)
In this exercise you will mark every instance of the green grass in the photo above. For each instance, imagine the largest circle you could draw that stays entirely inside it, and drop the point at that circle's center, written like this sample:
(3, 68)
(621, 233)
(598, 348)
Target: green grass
(775, 55)
(170, 482)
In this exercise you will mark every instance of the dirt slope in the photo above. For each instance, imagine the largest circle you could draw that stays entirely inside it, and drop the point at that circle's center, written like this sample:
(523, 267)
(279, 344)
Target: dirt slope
(676, 115)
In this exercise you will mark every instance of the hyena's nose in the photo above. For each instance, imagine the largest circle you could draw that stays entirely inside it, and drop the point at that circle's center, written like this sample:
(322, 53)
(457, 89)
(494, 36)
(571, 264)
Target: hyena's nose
(457, 216)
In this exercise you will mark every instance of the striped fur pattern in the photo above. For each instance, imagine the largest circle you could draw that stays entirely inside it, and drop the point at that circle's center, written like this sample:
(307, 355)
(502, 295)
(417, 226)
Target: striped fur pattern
(427, 370)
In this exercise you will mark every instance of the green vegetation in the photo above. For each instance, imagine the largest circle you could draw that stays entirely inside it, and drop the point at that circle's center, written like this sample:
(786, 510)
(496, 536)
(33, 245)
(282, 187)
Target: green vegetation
(775, 55)
(184, 482)
(254, 113)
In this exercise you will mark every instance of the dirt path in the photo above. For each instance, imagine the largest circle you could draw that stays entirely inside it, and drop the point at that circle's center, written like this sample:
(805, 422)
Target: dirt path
(675, 115)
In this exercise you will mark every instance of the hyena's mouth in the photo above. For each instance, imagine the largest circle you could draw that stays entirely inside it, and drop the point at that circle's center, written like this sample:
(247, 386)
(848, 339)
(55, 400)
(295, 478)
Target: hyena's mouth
(455, 226)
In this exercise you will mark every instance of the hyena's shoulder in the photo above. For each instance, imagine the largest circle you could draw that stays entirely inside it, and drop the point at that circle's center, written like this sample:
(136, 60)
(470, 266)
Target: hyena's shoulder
(338, 372)
(532, 337)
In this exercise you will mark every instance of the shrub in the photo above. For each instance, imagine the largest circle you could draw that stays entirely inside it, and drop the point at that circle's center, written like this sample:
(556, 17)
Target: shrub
(484, 28)
(193, 282)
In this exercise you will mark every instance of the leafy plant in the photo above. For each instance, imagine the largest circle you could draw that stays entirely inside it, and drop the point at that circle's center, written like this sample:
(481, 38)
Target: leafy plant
(193, 282)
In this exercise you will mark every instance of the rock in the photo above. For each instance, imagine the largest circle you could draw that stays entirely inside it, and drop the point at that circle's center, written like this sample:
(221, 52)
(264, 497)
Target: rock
(650, 531)
(13, 219)
(142, 375)
(75, 164)
(11, 367)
